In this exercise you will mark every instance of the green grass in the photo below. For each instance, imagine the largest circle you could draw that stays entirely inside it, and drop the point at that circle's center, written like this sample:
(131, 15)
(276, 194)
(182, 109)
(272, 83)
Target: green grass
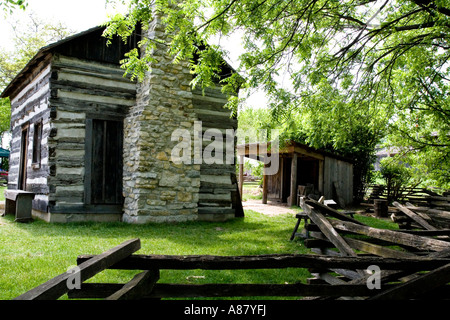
(250, 191)
(252, 184)
(2, 193)
(377, 223)
(31, 254)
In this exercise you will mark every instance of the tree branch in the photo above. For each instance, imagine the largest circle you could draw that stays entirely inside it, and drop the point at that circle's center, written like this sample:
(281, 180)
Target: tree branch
(217, 16)
(432, 5)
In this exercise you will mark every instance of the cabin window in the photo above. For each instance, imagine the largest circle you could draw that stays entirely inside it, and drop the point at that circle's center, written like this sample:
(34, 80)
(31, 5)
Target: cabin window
(37, 143)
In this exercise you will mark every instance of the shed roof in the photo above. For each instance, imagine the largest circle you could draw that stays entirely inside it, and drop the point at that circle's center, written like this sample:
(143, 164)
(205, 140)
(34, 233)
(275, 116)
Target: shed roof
(261, 148)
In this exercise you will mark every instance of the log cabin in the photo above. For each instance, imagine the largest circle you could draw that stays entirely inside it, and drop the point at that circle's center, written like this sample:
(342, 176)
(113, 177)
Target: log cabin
(301, 170)
(95, 146)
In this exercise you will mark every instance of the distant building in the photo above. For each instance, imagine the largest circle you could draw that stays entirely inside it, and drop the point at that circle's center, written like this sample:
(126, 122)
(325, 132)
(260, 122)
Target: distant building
(301, 166)
(382, 153)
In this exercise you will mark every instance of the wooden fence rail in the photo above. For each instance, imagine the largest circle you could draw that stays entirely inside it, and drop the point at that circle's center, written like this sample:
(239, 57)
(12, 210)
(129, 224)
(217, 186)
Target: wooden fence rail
(333, 236)
(418, 196)
(56, 287)
(145, 284)
(274, 261)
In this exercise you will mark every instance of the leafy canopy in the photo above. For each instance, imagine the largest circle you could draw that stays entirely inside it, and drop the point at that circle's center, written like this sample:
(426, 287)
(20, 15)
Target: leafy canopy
(9, 5)
(351, 71)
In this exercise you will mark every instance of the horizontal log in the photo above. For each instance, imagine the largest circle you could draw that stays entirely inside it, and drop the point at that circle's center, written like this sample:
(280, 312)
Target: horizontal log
(441, 204)
(118, 92)
(430, 211)
(210, 92)
(440, 198)
(163, 290)
(215, 203)
(74, 105)
(70, 64)
(275, 261)
(419, 242)
(370, 205)
(428, 233)
(216, 210)
(208, 99)
(216, 187)
(368, 247)
(84, 209)
(222, 171)
(101, 74)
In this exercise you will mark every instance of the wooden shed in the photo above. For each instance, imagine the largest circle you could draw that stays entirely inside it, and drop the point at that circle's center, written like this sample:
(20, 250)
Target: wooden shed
(94, 145)
(301, 169)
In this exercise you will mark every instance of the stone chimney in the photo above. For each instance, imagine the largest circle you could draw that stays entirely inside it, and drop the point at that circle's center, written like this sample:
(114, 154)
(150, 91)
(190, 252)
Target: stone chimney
(155, 188)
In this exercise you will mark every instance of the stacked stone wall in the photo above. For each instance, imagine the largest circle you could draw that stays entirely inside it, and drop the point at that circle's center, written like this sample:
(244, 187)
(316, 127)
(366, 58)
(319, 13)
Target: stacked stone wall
(155, 188)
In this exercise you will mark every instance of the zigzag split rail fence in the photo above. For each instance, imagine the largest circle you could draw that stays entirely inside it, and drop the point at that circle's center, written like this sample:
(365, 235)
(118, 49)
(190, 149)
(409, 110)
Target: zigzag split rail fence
(145, 284)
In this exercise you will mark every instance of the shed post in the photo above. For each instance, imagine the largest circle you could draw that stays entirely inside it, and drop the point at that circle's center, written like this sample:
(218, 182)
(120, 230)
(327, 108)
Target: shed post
(265, 185)
(321, 175)
(241, 175)
(293, 197)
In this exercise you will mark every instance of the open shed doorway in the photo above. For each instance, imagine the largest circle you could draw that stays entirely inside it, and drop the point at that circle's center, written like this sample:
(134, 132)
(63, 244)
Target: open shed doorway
(279, 185)
(298, 164)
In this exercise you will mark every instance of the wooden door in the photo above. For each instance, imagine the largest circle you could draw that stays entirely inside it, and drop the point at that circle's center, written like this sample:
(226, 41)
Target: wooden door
(104, 166)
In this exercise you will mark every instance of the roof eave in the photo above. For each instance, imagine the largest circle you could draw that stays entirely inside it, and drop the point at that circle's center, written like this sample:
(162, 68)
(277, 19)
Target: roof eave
(9, 90)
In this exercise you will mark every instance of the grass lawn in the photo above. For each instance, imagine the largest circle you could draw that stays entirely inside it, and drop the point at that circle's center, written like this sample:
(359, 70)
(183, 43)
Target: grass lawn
(31, 254)
(251, 190)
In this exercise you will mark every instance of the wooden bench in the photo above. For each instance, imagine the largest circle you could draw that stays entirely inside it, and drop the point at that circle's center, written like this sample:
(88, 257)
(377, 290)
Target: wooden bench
(19, 203)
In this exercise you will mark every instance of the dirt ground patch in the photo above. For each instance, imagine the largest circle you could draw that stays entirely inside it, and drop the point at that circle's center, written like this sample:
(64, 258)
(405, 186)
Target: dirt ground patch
(271, 208)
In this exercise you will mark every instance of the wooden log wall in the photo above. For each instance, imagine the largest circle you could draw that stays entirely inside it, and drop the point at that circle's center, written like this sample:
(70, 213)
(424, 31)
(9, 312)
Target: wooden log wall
(218, 183)
(30, 109)
(80, 90)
